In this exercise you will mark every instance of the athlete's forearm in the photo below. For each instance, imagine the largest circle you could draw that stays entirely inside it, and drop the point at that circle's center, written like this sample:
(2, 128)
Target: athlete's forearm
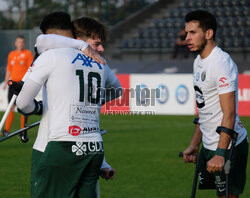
(105, 164)
(51, 41)
(25, 100)
(7, 77)
(197, 137)
(227, 102)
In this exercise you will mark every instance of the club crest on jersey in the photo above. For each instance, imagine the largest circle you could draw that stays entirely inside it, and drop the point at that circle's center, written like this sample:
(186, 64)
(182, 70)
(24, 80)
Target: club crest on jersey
(74, 130)
(203, 76)
(197, 77)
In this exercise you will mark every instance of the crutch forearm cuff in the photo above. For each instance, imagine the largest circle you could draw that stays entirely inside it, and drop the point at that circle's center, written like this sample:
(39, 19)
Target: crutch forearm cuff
(226, 130)
(196, 121)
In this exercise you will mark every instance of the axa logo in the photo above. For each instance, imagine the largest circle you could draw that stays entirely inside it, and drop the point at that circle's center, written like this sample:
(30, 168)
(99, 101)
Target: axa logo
(223, 79)
(74, 130)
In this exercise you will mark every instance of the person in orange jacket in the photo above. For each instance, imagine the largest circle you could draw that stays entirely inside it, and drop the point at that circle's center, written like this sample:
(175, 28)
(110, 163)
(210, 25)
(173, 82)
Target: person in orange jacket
(18, 63)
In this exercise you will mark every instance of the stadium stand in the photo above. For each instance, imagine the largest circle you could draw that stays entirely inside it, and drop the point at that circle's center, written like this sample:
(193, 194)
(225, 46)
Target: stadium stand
(159, 33)
(233, 22)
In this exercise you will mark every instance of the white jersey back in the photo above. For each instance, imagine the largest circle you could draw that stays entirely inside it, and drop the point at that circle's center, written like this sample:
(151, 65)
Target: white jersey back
(217, 74)
(72, 80)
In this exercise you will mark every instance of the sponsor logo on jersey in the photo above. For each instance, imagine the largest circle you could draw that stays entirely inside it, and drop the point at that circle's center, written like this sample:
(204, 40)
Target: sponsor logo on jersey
(74, 130)
(223, 82)
(200, 101)
(81, 148)
(163, 94)
(86, 61)
(90, 129)
(203, 76)
(223, 79)
(182, 94)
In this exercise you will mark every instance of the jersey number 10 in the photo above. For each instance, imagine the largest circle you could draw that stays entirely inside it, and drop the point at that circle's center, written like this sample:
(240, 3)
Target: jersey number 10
(90, 90)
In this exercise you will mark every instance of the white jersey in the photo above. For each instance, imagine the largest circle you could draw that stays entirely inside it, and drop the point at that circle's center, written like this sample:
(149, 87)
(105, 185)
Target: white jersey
(74, 106)
(217, 74)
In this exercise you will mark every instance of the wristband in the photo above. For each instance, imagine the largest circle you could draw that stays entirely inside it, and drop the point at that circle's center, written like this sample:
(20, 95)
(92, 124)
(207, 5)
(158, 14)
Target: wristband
(196, 121)
(221, 152)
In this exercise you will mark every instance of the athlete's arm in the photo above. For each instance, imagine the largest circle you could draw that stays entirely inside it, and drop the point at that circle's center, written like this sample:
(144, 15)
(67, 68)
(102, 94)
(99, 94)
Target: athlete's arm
(25, 100)
(51, 41)
(193, 148)
(227, 102)
(8, 72)
(45, 42)
(226, 80)
(6, 79)
(41, 71)
(113, 88)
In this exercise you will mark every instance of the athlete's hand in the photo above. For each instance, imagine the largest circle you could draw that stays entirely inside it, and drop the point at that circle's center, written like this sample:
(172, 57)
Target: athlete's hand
(189, 154)
(215, 164)
(93, 54)
(107, 174)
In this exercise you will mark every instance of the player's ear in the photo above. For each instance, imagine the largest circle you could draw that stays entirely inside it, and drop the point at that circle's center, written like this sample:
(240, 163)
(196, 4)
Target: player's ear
(209, 34)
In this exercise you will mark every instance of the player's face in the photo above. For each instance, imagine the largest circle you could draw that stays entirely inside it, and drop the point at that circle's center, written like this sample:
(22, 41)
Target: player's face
(96, 44)
(195, 38)
(19, 43)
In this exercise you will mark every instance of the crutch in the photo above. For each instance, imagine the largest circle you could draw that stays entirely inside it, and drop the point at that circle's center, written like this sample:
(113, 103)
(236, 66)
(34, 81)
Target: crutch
(195, 174)
(12, 101)
(227, 165)
(24, 136)
(19, 131)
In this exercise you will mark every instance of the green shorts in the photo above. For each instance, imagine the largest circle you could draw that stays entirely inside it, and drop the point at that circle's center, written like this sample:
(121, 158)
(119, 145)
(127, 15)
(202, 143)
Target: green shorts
(68, 170)
(36, 156)
(217, 180)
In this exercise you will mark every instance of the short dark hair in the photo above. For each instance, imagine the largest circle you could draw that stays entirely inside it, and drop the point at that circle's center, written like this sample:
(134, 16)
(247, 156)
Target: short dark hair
(86, 27)
(20, 36)
(206, 20)
(56, 20)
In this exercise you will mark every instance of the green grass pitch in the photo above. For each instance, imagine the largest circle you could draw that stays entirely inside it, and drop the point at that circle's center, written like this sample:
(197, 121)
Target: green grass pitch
(143, 149)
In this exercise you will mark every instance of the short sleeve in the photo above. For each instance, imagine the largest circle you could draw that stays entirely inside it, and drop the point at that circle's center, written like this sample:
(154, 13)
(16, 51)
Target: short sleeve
(226, 76)
(9, 67)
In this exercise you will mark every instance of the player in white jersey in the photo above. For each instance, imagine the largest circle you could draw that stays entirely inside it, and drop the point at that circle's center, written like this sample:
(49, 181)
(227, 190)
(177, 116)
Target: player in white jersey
(90, 122)
(50, 41)
(216, 89)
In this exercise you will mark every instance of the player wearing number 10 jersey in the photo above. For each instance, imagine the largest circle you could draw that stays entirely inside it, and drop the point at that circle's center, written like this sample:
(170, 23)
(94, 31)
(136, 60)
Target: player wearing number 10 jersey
(75, 89)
